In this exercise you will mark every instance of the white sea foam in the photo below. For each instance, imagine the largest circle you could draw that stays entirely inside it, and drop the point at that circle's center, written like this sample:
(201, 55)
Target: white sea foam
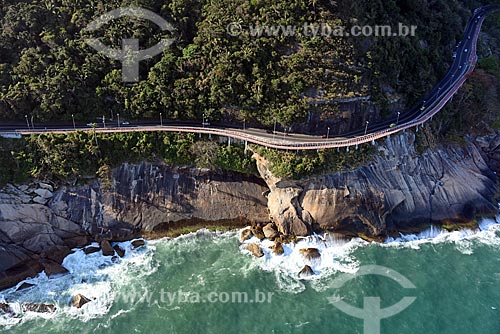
(95, 276)
(337, 253)
(335, 256)
(464, 240)
(102, 279)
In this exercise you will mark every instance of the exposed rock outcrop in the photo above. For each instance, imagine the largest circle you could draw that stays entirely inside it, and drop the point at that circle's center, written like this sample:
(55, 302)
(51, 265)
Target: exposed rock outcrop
(310, 253)
(16, 264)
(399, 190)
(153, 197)
(246, 234)
(6, 309)
(278, 248)
(270, 232)
(39, 308)
(40, 223)
(52, 268)
(79, 300)
(107, 249)
(91, 250)
(255, 250)
(120, 251)
(257, 232)
(306, 272)
(138, 243)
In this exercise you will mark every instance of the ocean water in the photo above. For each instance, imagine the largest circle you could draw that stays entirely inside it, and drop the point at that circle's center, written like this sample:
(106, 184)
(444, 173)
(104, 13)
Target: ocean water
(209, 283)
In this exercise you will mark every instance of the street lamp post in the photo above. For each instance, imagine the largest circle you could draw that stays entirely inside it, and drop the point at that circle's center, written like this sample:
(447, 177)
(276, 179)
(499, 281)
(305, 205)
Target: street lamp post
(103, 121)
(118, 116)
(328, 133)
(161, 119)
(203, 120)
(274, 131)
(32, 124)
(244, 124)
(397, 122)
(366, 128)
(73, 118)
(27, 122)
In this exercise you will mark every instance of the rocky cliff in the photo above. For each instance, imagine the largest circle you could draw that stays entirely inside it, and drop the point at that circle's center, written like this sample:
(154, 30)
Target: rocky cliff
(39, 225)
(399, 190)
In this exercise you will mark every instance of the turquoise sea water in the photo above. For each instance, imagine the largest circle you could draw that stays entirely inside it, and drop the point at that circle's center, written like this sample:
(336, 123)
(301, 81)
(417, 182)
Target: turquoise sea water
(188, 283)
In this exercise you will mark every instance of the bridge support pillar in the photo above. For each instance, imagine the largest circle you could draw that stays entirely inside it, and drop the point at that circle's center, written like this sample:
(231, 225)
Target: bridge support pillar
(347, 149)
(417, 129)
(229, 141)
(373, 142)
(209, 136)
(357, 146)
(246, 146)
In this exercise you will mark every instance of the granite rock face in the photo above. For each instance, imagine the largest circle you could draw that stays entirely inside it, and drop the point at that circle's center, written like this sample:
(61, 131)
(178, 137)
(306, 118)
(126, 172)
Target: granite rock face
(40, 223)
(399, 190)
(149, 197)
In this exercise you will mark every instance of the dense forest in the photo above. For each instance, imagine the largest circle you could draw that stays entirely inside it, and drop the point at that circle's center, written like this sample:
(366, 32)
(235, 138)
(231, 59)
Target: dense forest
(48, 71)
(83, 155)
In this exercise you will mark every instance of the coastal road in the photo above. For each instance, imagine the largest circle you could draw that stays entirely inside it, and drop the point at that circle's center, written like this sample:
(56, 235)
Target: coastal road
(465, 59)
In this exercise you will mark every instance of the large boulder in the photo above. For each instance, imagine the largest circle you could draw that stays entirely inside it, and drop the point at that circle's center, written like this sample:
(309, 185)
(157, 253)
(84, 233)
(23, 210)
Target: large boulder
(12, 276)
(40, 200)
(255, 250)
(306, 272)
(270, 232)
(16, 264)
(79, 300)
(120, 251)
(6, 309)
(39, 308)
(44, 193)
(257, 232)
(91, 250)
(138, 243)
(246, 234)
(45, 186)
(57, 254)
(154, 196)
(278, 248)
(37, 228)
(310, 253)
(52, 268)
(107, 250)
